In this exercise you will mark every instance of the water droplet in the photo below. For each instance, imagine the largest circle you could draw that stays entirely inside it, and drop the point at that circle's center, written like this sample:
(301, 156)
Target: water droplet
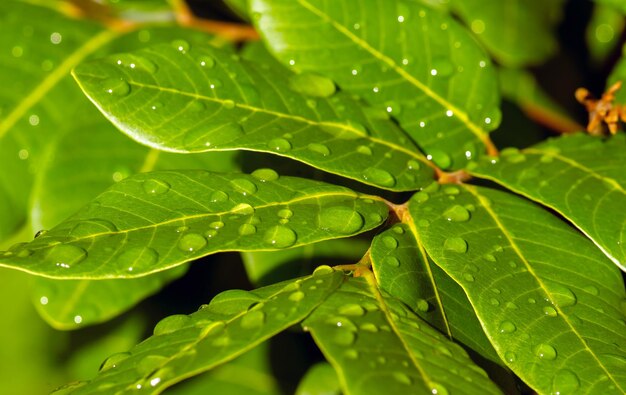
(228, 104)
(244, 186)
(344, 337)
(153, 186)
(312, 85)
(402, 378)
(421, 197)
(181, 45)
(439, 158)
(296, 296)
(451, 190)
(422, 305)
(369, 327)
(545, 351)
(457, 213)
(247, 230)
(490, 258)
(590, 289)
(390, 242)
(66, 255)
(322, 270)
(455, 244)
(379, 177)
(116, 86)
(285, 213)
(113, 361)
(443, 66)
(507, 327)
(365, 150)
(468, 277)
(135, 258)
(191, 242)
(351, 309)
(351, 354)
(438, 389)
(561, 295)
(340, 219)
(219, 135)
(206, 61)
(550, 311)
(319, 149)
(565, 382)
(280, 237)
(218, 197)
(279, 144)
(252, 319)
(265, 175)
(171, 324)
(392, 261)
(216, 225)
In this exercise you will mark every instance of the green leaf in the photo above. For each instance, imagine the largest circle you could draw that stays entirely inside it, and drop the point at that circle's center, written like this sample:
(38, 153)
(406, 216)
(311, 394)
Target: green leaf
(441, 88)
(603, 32)
(185, 98)
(320, 379)
(233, 323)
(377, 345)
(71, 304)
(579, 176)
(266, 267)
(240, 7)
(404, 270)
(616, 4)
(548, 300)
(516, 32)
(155, 221)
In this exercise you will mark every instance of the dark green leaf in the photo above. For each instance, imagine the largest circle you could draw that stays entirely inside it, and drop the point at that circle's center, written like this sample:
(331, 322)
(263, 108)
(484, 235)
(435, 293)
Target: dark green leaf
(416, 63)
(603, 32)
(154, 221)
(195, 99)
(548, 300)
(377, 345)
(404, 270)
(233, 323)
(320, 379)
(580, 176)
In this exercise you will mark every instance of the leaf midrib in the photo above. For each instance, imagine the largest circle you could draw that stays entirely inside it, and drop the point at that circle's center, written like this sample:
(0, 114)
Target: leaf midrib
(541, 284)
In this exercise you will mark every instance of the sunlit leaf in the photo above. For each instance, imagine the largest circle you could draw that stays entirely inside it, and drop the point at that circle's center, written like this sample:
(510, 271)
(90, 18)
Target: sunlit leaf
(548, 300)
(233, 323)
(441, 88)
(154, 221)
(185, 98)
(404, 270)
(320, 379)
(580, 176)
(377, 345)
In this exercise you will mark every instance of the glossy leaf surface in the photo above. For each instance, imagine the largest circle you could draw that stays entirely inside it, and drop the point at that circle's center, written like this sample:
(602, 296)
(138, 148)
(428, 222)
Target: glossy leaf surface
(441, 88)
(404, 270)
(187, 98)
(580, 176)
(377, 345)
(320, 379)
(234, 322)
(154, 221)
(548, 300)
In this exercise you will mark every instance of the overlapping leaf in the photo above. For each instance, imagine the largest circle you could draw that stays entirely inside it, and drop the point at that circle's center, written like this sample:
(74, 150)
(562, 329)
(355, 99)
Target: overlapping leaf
(320, 379)
(405, 58)
(154, 221)
(404, 270)
(186, 345)
(379, 346)
(604, 31)
(546, 297)
(187, 98)
(516, 32)
(580, 176)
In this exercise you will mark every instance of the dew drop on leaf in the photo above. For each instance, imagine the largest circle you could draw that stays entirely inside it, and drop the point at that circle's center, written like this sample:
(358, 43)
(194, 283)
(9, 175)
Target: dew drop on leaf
(216, 225)
(244, 186)
(116, 86)
(422, 305)
(92, 226)
(507, 327)
(285, 213)
(443, 66)
(457, 213)
(342, 220)
(171, 323)
(137, 258)
(565, 382)
(390, 242)
(322, 270)
(66, 255)
(279, 145)
(181, 45)
(319, 149)
(455, 244)
(218, 197)
(421, 197)
(379, 177)
(439, 158)
(149, 363)
(280, 237)
(351, 309)
(296, 296)
(351, 354)
(246, 230)
(153, 186)
(312, 85)
(113, 360)
(253, 319)
(206, 61)
(392, 261)
(549, 311)
(365, 150)
(545, 351)
(265, 175)
(191, 242)
(402, 378)
(344, 337)
(438, 389)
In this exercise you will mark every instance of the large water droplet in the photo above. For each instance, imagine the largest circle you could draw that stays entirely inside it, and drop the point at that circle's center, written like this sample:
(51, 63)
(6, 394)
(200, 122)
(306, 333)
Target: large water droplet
(545, 351)
(279, 145)
(149, 363)
(443, 66)
(565, 382)
(153, 186)
(113, 361)
(322, 270)
(137, 258)
(507, 327)
(280, 237)
(312, 85)
(365, 150)
(379, 177)
(510, 356)
(253, 319)
(455, 244)
(421, 197)
(561, 295)
(171, 324)
(91, 227)
(351, 309)
(340, 219)
(244, 186)
(344, 337)
(116, 86)
(457, 213)
(265, 175)
(402, 378)
(66, 255)
(351, 354)
(191, 242)
(319, 149)
(390, 242)
(206, 61)
(550, 311)
(219, 135)
(439, 158)
(218, 197)
(438, 389)
(181, 45)
(422, 305)
(247, 230)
